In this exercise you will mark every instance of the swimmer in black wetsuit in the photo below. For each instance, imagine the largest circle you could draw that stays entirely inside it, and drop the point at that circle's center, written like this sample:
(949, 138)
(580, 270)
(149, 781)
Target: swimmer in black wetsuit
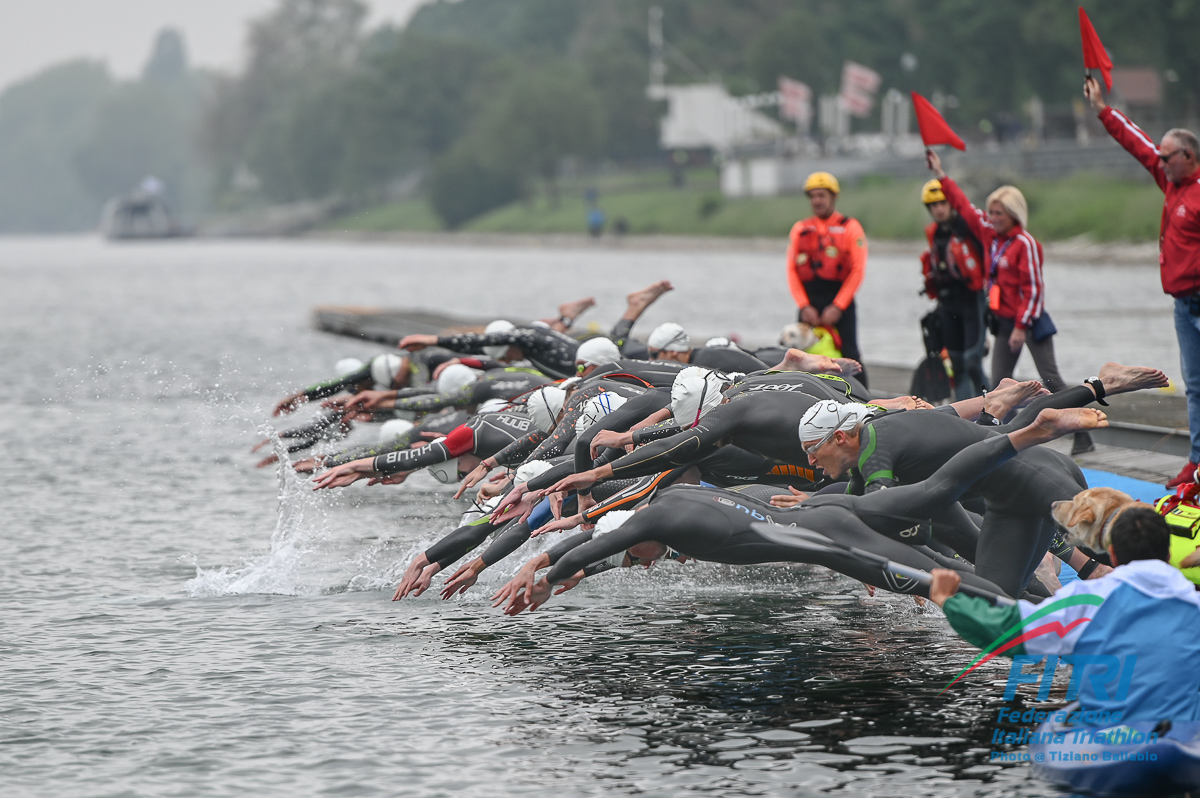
(669, 341)
(504, 383)
(716, 525)
(905, 448)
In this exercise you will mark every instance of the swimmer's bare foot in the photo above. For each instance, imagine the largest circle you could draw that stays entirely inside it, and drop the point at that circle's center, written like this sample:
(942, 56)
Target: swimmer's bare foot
(1051, 423)
(848, 367)
(799, 360)
(573, 310)
(1008, 398)
(640, 300)
(1122, 379)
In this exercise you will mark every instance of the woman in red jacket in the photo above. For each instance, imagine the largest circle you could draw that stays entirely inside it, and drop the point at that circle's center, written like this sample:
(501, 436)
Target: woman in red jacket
(1015, 289)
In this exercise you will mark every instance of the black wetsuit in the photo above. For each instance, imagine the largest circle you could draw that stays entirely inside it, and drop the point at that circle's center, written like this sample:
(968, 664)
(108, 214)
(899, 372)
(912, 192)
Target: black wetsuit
(481, 435)
(765, 423)
(651, 373)
(903, 448)
(724, 359)
(550, 351)
(439, 423)
(505, 383)
(715, 525)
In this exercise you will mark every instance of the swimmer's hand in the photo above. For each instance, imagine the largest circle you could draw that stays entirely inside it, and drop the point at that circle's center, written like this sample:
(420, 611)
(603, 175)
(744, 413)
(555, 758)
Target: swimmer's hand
(394, 479)
(514, 496)
(472, 479)
(789, 501)
(366, 401)
(422, 582)
(520, 585)
(308, 465)
(411, 575)
(570, 522)
(345, 475)
(489, 491)
(608, 439)
(289, 403)
(415, 343)
(582, 480)
(567, 584)
(462, 579)
(266, 461)
(944, 585)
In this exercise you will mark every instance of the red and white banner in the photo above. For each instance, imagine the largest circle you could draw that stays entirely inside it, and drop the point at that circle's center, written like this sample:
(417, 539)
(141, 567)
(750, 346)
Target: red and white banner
(796, 102)
(859, 84)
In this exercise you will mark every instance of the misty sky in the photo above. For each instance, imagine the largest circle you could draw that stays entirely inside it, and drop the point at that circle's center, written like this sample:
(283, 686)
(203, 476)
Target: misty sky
(38, 33)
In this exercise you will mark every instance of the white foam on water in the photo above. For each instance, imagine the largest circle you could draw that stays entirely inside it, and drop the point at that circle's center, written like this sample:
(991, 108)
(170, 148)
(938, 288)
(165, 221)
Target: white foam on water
(299, 533)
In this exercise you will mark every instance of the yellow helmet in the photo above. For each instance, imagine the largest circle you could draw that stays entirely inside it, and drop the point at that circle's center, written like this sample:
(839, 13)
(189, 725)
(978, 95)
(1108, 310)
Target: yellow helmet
(821, 180)
(931, 192)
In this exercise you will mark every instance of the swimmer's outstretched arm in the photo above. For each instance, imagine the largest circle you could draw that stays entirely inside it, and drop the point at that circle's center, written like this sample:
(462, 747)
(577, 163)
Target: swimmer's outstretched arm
(346, 474)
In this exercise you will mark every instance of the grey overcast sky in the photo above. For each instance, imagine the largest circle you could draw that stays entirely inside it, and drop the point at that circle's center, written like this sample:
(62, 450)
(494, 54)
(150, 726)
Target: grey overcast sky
(37, 33)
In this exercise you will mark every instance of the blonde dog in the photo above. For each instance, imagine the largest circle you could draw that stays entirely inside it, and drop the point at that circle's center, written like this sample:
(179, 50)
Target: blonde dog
(1088, 517)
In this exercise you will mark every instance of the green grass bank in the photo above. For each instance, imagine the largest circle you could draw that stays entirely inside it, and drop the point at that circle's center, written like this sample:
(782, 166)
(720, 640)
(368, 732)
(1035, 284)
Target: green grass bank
(1103, 208)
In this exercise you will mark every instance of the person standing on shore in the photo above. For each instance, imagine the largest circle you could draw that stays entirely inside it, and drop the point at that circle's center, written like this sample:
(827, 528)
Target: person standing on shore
(953, 271)
(1175, 166)
(1016, 292)
(826, 261)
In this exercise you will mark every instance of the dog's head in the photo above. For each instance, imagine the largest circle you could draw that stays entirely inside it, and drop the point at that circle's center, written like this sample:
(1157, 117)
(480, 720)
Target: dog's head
(1086, 516)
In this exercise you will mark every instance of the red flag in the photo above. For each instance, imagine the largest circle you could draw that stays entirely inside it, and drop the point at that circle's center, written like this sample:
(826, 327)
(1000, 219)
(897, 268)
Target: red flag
(1094, 54)
(934, 129)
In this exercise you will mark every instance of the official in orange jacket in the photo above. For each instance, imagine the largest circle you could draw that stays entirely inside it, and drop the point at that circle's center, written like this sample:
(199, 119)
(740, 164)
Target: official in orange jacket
(826, 261)
(953, 271)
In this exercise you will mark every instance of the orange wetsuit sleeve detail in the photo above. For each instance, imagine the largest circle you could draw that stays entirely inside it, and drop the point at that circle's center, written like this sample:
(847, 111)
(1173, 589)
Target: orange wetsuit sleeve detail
(855, 247)
(793, 275)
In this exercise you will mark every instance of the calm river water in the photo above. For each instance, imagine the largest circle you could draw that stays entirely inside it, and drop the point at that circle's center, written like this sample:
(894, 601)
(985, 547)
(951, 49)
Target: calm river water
(175, 622)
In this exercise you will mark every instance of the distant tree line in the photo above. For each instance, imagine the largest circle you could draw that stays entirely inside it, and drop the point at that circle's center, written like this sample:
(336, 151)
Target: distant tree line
(487, 99)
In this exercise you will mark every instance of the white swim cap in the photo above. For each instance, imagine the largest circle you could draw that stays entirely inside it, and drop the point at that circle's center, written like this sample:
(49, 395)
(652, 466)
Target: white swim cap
(492, 406)
(611, 521)
(348, 365)
(597, 352)
(827, 417)
(527, 471)
(390, 430)
(454, 377)
(597, 408)
(544, 405)
(720, 342)
(695, 392)
(499, 325)
(797, 336)
(384, 369)
(446, 473)
(669, 337)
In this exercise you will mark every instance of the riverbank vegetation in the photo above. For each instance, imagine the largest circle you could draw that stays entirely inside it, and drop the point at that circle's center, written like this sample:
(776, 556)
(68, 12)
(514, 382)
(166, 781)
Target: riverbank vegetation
(1102, 208)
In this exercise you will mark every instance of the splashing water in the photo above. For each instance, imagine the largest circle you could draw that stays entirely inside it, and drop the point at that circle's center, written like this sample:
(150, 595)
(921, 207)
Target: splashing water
(299, 531)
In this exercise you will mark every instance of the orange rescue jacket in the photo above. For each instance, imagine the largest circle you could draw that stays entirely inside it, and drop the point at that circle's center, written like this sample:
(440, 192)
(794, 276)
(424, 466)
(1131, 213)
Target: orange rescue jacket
(827, 249)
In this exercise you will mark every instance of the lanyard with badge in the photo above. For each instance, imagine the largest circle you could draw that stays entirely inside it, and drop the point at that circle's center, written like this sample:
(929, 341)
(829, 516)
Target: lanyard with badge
(993, 286)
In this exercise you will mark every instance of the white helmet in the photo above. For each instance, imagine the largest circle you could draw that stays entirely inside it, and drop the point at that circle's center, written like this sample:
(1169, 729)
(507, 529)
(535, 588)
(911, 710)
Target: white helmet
(446, 472)
(608, 522)
(695, 392)
(720, 342)
(390, 430)
(827, 417)
(597, 352)
(348, 365)
(544, 405)
(669, 337)
(455, 377)
(597, 408)
(497, 351)
(384, 369)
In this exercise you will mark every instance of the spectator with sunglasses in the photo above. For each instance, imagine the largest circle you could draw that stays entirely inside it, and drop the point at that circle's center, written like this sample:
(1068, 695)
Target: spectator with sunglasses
(1175, 166)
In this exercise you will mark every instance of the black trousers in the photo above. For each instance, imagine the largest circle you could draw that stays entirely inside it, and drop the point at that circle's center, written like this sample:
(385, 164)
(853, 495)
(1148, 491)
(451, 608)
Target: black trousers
(821, 294)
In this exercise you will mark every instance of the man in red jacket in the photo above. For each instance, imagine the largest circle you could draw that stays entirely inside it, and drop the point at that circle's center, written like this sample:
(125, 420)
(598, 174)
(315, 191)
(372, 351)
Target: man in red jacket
(954, 276)
(1175, 166)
